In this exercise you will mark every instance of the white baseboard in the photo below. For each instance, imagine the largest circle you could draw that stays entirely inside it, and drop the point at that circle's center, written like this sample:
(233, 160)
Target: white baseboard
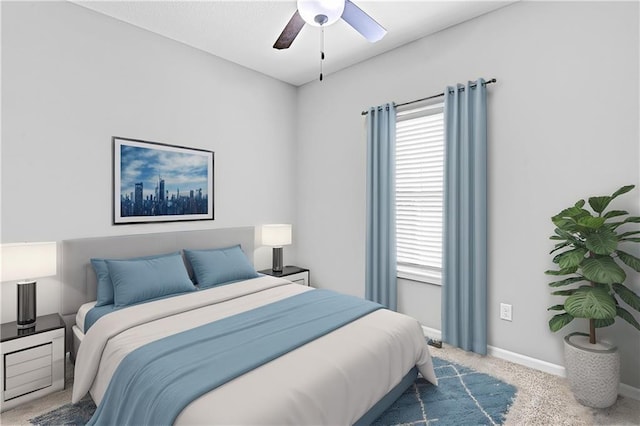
(629, 391)
(536, 364)
(431, 333)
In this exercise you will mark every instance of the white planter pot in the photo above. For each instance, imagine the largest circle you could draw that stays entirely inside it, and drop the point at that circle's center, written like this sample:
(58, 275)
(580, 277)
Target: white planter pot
(593, 370)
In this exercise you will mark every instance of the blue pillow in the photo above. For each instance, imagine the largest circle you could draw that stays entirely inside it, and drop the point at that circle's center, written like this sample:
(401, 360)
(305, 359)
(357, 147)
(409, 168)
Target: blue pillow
(105, 287)
(219, 266)
(139, 280)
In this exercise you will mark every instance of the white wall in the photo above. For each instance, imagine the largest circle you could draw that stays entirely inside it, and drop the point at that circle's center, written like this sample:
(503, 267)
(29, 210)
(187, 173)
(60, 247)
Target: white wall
(563, 124)
(72, 79)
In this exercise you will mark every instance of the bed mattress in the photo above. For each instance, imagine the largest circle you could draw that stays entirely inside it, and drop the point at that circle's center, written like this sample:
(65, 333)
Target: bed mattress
(82, 314)
(334, 379)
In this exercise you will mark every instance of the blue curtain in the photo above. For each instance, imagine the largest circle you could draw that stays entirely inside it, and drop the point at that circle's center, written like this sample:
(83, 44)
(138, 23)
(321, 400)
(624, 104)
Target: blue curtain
(380, 273)
(464, 290)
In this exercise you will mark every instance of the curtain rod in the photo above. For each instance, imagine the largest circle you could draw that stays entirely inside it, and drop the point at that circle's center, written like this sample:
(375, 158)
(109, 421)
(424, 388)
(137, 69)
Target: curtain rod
(493, 80)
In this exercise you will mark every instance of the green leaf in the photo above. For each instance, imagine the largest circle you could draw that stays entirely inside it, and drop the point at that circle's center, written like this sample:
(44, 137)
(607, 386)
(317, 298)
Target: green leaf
(570, 258)
(569, 236)
(628, 295)
(615, 213)
(579, 204)
(573, 212)
(565, 271)
(604, 286)
(556, 308)
(598, 204)
(591, 222)
(634, 240)
(602, 269)
(566, 219)
(627, 234)
(562, 233)
(560, 246)
(630, 219)
(563, 223)
(622, 190)
(566, 281)
(602, 241)
(599, 323)
(559, 321)
(626, 315)
(564, 292)
(629, 260)
(592, 303)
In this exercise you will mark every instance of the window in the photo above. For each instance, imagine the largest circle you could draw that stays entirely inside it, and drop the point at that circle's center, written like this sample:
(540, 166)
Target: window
(419, 192)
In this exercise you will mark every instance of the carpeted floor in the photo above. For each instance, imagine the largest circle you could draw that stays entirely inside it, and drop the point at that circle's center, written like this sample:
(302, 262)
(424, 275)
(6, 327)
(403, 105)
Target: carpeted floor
(541, 399)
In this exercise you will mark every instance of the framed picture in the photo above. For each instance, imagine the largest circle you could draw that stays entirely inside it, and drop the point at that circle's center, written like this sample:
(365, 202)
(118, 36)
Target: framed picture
(154, 182)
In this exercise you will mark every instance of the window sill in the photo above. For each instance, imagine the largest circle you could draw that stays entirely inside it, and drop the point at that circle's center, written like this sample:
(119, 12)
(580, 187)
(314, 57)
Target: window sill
(419, 275)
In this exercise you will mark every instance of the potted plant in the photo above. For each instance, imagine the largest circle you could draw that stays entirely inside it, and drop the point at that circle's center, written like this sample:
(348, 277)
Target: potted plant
(591, 247)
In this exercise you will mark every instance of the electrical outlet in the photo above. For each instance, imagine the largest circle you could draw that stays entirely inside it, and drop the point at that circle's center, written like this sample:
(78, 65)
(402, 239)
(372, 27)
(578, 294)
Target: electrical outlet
(505, 311)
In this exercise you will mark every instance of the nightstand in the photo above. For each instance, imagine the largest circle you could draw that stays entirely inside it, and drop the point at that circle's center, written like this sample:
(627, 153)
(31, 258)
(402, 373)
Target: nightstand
(292, 273)
(32, 360)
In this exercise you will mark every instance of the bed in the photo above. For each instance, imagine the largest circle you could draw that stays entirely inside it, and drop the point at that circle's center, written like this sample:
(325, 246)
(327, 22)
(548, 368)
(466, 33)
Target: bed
(254, 350)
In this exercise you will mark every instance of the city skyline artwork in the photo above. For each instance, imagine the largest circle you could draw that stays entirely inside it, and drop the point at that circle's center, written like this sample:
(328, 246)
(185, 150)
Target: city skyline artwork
(158, 182)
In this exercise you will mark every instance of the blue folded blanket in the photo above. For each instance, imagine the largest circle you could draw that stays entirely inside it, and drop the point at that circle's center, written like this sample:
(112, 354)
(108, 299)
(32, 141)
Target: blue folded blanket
(155, 382)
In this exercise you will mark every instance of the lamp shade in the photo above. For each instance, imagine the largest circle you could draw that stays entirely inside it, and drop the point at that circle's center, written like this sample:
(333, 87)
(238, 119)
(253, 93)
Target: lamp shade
(28, 260)
(276, 235)
(328, 10)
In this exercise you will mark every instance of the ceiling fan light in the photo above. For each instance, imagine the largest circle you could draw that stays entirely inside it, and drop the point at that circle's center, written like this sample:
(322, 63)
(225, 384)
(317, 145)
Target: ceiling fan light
(312, 11)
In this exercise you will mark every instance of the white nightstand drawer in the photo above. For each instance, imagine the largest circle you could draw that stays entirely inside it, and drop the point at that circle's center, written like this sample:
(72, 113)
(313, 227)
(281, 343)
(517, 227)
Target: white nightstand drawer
(299, 278)
(28, 387)
(23, 367)
(29, 381)
(28, 354)
(27, 370)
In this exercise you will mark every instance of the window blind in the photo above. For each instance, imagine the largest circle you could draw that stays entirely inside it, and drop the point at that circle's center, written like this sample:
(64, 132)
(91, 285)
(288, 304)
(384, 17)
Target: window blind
(419, 193)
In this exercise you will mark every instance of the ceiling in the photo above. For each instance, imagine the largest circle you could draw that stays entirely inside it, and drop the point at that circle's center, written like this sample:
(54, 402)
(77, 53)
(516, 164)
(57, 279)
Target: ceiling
(244, 31)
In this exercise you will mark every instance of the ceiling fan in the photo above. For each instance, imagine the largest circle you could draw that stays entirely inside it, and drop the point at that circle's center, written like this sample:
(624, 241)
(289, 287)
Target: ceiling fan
(321, 13)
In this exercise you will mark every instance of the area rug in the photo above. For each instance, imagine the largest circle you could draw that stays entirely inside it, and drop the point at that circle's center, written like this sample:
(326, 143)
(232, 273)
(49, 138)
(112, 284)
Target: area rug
(69, 414)
(463, 397)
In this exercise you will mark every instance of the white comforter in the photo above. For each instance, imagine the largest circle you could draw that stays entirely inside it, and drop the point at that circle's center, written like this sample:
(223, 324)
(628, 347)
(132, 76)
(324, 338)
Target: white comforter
(332, 380)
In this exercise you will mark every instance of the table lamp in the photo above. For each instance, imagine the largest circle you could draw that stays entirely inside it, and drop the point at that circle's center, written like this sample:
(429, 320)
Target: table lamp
(276, 236)
(24, 262)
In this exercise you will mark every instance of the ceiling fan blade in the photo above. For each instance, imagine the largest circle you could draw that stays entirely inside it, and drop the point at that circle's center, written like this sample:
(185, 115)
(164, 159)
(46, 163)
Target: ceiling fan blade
(290, 32)
(362, 23)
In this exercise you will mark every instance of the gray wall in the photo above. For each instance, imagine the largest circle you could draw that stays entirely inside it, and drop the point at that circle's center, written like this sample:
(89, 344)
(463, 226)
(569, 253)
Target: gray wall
(563, 124)
(73, 78)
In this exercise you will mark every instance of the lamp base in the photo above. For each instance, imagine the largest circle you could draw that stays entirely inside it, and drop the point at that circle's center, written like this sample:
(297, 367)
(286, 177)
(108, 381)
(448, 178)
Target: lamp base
(277, 259)
(28, 326)
(26, 304)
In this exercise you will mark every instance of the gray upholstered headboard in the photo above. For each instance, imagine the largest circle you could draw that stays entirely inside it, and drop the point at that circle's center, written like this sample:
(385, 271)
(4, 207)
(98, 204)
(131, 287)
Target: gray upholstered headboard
(79, 280)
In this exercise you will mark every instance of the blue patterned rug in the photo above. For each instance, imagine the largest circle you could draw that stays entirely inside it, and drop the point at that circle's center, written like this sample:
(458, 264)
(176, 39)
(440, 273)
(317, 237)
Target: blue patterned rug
(462, 397)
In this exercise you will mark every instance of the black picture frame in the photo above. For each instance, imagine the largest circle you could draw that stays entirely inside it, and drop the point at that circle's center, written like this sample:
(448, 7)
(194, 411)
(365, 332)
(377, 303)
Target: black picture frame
(156, 182)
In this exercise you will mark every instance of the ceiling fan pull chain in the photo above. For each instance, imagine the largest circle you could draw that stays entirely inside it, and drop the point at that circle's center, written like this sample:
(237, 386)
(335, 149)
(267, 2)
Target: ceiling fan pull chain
(321, 49)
